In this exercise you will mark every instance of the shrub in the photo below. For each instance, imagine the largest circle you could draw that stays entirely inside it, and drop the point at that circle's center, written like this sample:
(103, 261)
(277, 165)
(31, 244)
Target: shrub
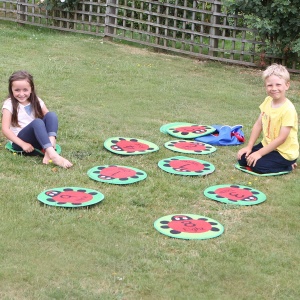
(276, 22)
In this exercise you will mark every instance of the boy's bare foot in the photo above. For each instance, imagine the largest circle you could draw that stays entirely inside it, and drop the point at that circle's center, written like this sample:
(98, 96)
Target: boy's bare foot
(294, 166)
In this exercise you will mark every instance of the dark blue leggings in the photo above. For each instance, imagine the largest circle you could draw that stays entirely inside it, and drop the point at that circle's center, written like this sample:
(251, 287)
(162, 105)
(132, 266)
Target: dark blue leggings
(38, 131)
(272, 162)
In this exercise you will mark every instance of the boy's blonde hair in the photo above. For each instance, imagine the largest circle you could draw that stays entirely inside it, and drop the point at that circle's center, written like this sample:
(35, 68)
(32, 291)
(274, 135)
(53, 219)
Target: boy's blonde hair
(278, 70)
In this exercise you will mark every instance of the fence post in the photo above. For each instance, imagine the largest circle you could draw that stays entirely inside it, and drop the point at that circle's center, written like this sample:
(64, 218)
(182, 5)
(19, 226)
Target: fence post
(109, 20)
(21, 9)
(214, 31)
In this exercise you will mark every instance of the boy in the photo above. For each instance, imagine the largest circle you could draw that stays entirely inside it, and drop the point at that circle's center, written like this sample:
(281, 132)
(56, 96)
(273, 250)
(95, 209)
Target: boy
(278, 121)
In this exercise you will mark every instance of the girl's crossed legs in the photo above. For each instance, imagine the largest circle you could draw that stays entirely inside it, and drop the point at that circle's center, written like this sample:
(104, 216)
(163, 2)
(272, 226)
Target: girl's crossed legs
(41, 134)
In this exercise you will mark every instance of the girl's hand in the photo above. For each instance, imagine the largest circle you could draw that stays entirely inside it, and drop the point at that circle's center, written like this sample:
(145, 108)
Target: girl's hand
(27, 147)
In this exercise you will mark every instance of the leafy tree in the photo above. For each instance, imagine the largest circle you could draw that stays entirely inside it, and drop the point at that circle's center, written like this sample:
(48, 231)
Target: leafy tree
(276, 21)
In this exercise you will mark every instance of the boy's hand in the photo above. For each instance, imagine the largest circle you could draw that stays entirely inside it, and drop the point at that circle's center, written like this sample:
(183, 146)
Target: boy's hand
(253, 158)
(243, 151)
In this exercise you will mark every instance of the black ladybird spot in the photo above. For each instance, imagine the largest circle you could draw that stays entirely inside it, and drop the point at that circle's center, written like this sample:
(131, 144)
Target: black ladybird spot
(133, 140)
(167, 165)
(211, 192)
(77, 204)
(175, 232)
(203, 219)
(184, 133)
(213, 223)
(123, 179)
(139, 173)
(164, 227)
(255, 193)
(93, 193)
(234, 186)
(83, 191)
(164, 222)
(50, 200)
(68, 189)
(215, 229)
(114, 141)
(122, 139)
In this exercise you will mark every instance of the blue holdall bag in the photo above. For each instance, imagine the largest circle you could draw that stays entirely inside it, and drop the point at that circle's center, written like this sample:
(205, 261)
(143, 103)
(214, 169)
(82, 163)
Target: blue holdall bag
(224, 135)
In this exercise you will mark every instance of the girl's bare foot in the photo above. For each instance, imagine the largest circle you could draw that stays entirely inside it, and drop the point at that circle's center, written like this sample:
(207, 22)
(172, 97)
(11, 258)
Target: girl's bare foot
(61, 162)
(46, 158)
(58, 160)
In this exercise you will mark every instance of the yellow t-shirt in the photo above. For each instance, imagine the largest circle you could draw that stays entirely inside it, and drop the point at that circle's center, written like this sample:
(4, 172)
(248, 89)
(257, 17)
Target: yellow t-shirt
(272, 121)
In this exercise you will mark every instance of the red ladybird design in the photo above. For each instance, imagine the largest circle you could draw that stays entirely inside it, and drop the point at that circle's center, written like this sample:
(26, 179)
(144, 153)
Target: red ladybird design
(235, 193)
(68, 195)
(116, 172)
(191, 146)
(182, 223)
(194, 129)
(129, 146)
(182, 165)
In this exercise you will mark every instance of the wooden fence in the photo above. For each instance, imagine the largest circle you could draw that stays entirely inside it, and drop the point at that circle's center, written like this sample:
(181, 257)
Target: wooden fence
(196, 28)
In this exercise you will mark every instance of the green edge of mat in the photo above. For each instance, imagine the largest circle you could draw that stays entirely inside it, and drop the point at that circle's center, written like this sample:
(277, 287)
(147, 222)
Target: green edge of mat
(8, 146)
(243, 169)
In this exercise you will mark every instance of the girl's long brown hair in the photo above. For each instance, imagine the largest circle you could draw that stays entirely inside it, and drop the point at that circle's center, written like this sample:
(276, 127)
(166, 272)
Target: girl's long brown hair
(33, 99)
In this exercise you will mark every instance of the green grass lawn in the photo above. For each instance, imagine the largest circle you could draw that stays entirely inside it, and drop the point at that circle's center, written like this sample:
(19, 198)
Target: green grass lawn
(111, 250)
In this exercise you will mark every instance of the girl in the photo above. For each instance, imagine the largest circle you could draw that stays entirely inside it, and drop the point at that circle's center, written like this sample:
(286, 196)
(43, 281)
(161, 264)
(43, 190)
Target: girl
(27, 122)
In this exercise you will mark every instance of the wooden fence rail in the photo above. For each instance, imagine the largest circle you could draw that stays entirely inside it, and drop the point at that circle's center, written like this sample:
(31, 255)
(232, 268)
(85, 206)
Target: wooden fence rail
(196, 28)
